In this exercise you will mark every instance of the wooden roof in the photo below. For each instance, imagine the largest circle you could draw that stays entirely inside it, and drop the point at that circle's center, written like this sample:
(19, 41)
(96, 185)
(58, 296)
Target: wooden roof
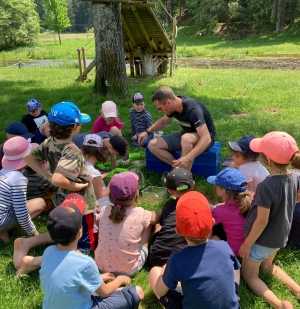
(141, 29)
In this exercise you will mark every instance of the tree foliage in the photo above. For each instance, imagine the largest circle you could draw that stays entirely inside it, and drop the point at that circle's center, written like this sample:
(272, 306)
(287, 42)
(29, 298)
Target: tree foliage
(19, 23)
(56, 15)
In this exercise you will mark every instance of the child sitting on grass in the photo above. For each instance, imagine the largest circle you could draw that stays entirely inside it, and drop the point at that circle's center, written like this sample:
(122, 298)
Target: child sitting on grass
(69, 174)
(202, 274)
(269, 220)
(36, 116)
(109, 120)
(140, 120)
(230, 216)
(124, 230)
(294, 236)
(70, 279)
(165, 240)
(246, 161)
(14, 209)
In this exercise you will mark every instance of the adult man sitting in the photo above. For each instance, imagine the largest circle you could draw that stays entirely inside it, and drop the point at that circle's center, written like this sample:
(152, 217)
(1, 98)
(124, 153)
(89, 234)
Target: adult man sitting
(197, 133)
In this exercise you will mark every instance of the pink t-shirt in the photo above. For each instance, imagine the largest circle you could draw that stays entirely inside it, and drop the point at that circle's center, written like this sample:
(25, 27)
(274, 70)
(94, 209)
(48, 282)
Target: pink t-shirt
(233, 223)
(100, 125)
(118, 245)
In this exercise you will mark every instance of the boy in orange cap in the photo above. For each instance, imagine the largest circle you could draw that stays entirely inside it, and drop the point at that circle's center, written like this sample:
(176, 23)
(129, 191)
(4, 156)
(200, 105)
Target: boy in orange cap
(202, 274)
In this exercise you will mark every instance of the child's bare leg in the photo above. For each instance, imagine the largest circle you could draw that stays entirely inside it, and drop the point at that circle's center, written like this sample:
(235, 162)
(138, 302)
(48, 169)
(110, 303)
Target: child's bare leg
(250, 273)
(146, 236)
(36, 206)
(115, 131)
(275, 270)
(4, 236)
(153, 276)
(23, 245)
(237, 276)
(29, 264)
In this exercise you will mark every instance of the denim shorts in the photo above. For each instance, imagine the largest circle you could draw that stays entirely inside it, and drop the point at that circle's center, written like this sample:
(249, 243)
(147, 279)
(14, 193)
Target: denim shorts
(10, 221)
(260, 253)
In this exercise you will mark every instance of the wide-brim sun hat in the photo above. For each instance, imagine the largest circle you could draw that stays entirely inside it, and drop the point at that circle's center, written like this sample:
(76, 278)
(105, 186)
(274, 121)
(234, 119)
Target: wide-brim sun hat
(14, 150)
(278, 146)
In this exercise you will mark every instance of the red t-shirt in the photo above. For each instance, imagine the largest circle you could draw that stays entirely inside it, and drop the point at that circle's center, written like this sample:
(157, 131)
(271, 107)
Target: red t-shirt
(100, 125)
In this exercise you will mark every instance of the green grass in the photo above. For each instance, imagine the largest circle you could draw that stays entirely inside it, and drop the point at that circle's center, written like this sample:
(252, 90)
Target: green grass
(240, 101)
(189, 44)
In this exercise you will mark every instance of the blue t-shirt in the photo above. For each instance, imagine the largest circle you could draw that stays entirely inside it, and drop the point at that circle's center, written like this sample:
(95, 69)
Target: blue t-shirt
(68, 279)
(206, 274)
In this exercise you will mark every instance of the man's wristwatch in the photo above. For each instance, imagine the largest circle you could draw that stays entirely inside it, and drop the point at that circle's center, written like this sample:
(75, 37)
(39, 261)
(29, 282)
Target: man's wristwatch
(148, 131)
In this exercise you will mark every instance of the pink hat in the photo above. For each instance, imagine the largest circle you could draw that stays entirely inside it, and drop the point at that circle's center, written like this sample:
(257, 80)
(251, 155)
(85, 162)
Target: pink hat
(123, 187)
(93, 137)
(109, 109)
(278, 146)
(14, 150)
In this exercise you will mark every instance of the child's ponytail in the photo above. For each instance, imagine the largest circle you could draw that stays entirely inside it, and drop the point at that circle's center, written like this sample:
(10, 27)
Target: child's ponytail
(117, 213)
(244, 200)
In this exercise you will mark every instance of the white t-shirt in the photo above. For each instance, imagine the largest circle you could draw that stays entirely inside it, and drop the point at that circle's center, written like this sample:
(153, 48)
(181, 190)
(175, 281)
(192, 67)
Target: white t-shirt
(254, 172)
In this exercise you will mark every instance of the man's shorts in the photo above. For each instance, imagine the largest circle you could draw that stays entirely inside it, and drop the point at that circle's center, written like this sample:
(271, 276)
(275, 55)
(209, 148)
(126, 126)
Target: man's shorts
(172, 299)
(260, 253)
(174, 141)
(126, 298)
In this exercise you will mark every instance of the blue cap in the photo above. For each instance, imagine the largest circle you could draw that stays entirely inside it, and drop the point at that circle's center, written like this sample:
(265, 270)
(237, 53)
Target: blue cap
(230, 179)
(33, 104)
(67, 113)
(243, 144)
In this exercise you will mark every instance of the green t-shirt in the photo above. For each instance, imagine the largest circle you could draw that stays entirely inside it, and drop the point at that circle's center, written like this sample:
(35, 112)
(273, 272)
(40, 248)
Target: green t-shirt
(66, 159)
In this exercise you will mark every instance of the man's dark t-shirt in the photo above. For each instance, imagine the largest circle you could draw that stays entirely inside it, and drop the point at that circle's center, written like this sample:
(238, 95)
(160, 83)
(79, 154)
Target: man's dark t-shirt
(193, 115)
(166, 241)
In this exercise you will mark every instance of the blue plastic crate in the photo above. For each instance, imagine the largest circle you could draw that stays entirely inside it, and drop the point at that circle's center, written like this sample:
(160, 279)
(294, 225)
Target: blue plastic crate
(207, 164)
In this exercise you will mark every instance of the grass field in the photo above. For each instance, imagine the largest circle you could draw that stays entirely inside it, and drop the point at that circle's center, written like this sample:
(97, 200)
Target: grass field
(240, 101)
(189, 44)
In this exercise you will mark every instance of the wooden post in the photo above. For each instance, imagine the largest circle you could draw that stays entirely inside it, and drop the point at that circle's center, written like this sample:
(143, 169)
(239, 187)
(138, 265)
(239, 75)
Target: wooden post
(83, 58)
(173, 46)
(131, 63)
(79, 62)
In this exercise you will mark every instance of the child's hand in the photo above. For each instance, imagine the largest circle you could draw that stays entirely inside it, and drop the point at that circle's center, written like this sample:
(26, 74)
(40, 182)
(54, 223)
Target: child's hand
(244, 251)
(36, 232)
(107, 276)
(125, 279)
(80, 186)
(134, 138)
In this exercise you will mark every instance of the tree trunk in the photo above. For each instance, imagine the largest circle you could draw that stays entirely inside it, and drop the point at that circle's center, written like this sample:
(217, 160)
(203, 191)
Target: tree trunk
(111, 78)
(59, 37)
(279, 15)
(148, 64)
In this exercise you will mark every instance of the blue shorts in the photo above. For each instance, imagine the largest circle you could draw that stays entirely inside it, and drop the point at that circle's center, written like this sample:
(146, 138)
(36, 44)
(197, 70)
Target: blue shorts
(10, 221)
(126, 298)
(260, 253)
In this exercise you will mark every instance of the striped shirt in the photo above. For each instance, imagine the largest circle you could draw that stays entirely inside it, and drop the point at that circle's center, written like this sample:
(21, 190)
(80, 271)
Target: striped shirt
(13, 187)
(139, 121)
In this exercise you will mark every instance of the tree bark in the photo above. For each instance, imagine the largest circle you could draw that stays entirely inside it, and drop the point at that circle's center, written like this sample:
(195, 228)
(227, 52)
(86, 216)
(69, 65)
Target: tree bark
(111, 78)
(148, 63)
(278, 16)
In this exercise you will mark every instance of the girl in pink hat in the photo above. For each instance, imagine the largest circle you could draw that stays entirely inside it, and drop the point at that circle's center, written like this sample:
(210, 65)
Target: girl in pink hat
(109, 120)
(124, 230)
(269, 220)
(14, 209)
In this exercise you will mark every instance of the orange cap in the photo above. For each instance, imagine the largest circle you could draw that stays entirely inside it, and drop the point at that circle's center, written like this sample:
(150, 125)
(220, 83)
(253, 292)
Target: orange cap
(193, 215)
(278, 146)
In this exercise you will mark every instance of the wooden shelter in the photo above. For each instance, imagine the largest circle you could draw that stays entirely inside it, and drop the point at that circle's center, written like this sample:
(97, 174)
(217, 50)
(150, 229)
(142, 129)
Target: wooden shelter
(144, 39)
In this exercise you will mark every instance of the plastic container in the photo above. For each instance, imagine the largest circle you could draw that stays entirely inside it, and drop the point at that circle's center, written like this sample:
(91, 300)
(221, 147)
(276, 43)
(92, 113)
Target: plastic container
(141, 181)
(138, 163)
(154, 195)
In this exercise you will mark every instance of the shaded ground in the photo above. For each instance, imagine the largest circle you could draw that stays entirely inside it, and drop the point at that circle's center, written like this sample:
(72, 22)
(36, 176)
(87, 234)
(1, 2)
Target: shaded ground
(276, 63)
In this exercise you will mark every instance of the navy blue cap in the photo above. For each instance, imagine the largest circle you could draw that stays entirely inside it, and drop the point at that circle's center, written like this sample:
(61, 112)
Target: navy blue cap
(18, 129)
(243, 144)
(230, 179)
(66, 114)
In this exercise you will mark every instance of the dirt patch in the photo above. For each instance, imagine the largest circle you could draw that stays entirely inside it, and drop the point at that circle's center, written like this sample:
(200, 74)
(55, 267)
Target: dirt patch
(238, 115)
(292, 63)
(271, 110)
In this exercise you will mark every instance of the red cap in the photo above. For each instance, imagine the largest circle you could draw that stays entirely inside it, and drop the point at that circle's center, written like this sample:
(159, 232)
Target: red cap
(193, 215)
(74, 199)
